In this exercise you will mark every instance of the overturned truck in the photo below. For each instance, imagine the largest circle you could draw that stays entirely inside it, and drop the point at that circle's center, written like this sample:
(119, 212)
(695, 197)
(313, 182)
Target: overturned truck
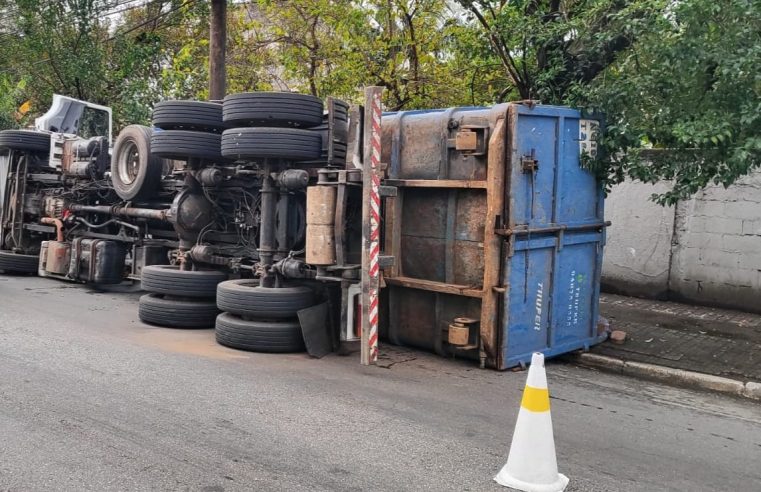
(61, 214)
(257, 215)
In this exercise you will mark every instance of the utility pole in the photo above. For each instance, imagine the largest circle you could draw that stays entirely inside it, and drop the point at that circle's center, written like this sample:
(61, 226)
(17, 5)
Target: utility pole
(217, 45)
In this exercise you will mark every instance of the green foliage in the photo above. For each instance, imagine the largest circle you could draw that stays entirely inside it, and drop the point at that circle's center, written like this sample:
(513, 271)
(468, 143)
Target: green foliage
(684, 104)
(10, 100)
(547, 47)
(329, 47)
(126, 60)
(678, 82)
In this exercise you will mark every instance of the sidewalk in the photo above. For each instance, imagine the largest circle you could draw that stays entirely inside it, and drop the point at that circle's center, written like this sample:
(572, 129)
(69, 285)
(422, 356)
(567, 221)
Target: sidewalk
(719, 343)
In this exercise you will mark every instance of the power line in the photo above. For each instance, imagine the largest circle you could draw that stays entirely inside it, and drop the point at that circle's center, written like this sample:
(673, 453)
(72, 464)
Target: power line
(131, 7)
(154, 19)
(113, 12)
(132, 29)
(109, 10)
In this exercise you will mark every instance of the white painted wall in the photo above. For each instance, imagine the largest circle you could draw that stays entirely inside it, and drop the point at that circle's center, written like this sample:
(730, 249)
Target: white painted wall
(706, 250)
(638, 251)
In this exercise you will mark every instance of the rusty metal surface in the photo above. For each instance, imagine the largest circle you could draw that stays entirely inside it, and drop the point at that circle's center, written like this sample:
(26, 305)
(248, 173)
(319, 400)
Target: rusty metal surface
(58, 226)
(468, 263)
(67, 157)
(431, 250)
(490, 331)
(470, 214)
(422, 144)
(57, 257)
(438, 160)
(421, 319)
(321, 204)
(442, 232)
(117, 211)
(466, 140)
(320, 245)
(493, 210)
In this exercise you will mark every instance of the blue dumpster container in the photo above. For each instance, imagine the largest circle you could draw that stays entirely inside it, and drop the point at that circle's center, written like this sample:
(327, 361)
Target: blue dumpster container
(497, 231)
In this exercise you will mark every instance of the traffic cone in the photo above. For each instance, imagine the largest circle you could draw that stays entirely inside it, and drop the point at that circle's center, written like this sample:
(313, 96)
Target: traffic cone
(532, 465)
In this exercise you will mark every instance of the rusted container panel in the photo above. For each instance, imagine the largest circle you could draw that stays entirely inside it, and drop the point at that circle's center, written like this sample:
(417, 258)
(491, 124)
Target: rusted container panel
(420, 318)
(443, 224)
(494, 220)
(409, 135)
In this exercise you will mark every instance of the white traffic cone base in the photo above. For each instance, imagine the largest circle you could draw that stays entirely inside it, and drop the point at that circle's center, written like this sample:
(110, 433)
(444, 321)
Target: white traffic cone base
(506, 480)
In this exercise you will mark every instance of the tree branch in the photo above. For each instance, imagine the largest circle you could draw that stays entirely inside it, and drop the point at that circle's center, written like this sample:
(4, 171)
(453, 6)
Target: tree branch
(502, 51)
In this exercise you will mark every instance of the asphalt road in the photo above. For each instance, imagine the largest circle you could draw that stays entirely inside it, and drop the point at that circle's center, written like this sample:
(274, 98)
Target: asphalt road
(92, 399)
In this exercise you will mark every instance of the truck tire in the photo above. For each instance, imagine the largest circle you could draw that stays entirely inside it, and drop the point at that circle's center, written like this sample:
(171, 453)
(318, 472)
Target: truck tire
(184, 144)
(259, 336)
(188, 115)
(27, 140)
(170, 280)
(176, 313)
(281, 109)
(279, 143)
(245, 297)
(16, 263)
(135, 172)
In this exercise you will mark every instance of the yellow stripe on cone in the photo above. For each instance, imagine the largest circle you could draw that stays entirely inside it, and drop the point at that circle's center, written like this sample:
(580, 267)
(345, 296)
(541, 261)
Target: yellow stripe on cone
(532, 464)
(536, 399)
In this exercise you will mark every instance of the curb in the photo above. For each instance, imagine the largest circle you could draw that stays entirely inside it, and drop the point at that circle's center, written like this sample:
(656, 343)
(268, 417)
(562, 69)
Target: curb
(671, 376)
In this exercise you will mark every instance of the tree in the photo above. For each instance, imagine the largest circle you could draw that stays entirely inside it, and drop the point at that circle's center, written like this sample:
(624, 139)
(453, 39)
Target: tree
(690, 89)
(547, 47)
(677, 81)
(407, 47)
(679, 76)
(329, 47)
(102, 52)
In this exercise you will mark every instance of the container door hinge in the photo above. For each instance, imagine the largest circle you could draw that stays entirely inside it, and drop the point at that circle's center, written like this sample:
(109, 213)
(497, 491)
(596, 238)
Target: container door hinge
(529, 164)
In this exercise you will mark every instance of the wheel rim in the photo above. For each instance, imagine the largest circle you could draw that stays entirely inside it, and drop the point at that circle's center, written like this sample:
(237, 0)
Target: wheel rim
(128, 163)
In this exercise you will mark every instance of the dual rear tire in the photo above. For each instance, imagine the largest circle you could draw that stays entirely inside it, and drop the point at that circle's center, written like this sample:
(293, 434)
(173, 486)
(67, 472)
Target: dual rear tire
(273, 143)
(259, 335)
(161, 310)
(188, 130)
(272, 125)
(261, 319)
(179, 298)
(188, 115)
(272, 109)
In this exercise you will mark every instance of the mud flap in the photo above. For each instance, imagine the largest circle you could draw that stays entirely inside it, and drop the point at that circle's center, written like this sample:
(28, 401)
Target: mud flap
(315, 330)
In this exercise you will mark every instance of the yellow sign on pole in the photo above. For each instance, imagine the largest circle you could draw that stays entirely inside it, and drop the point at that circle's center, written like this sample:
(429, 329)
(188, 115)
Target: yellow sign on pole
(25, 107)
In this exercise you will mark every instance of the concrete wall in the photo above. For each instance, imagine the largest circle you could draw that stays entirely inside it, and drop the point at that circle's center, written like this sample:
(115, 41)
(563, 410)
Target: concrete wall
(705, 250)
(637, 256)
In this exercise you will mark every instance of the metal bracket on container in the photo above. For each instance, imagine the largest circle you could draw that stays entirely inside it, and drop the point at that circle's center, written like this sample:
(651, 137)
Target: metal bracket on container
(470, 140)
(529, 163)
(387, 191)
(386, 261)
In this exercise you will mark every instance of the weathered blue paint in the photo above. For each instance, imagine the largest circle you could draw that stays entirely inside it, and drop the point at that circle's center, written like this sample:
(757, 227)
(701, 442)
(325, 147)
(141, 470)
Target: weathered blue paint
(551, 305)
